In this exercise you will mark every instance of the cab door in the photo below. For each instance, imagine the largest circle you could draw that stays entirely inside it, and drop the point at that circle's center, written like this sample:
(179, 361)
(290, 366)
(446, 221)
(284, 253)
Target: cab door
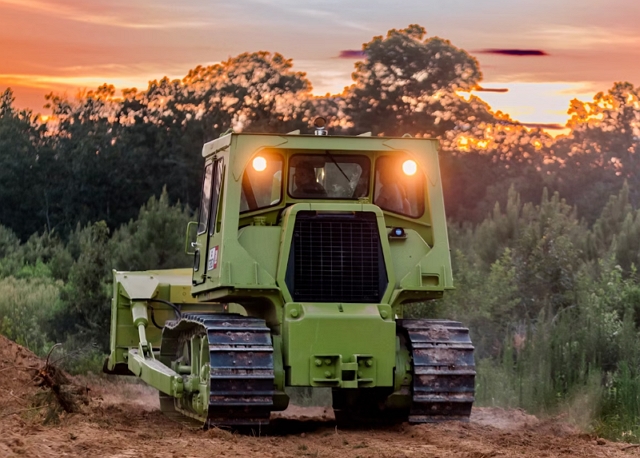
(206, 253)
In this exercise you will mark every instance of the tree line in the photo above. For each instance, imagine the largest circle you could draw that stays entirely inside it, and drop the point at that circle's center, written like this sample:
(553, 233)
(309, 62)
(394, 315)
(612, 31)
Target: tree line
(101, 155)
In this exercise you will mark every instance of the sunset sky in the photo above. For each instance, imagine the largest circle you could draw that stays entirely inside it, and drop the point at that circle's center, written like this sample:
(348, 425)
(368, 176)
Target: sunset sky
(65, 45)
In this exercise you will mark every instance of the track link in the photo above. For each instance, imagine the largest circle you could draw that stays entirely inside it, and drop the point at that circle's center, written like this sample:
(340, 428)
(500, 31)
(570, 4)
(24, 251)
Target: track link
(443, 370)
(241, 376)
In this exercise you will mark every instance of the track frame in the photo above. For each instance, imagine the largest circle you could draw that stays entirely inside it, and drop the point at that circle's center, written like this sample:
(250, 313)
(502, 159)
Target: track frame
(227, 364)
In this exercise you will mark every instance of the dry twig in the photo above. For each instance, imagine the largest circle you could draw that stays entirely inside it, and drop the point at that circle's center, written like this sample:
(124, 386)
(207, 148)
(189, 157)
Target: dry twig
(60, 394)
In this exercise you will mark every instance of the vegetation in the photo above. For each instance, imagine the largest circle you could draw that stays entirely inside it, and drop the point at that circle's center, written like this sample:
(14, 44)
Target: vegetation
(545, 232)
(553, 314)
(54, 291)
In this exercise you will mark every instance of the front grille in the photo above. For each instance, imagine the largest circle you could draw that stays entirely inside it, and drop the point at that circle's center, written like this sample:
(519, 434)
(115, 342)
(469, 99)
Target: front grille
(336, 258)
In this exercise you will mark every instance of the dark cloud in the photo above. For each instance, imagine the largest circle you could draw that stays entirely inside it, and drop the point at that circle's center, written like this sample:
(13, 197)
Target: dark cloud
(351, 54)
(491, 89)
(542, 125)
(513, 52)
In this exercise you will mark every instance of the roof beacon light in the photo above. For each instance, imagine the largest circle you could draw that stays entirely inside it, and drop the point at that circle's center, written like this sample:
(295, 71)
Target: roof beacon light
(259, 164)
(320, 124)
(409, 167)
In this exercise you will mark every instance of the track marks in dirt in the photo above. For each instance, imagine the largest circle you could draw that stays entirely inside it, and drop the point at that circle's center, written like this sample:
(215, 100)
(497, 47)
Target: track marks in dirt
(122, 420)
(129, 430)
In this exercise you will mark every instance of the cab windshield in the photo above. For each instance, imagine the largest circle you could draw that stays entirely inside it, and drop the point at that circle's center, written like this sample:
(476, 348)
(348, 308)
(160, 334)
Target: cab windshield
(328, 176)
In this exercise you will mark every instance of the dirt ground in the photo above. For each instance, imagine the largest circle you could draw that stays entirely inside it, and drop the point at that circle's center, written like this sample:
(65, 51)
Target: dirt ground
(123, 420)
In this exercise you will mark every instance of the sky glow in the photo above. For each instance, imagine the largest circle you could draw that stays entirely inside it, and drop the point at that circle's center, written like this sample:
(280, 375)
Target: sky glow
(67, 45)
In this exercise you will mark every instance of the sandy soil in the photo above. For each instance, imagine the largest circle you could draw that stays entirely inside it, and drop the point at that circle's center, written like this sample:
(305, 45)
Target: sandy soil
(123, 420)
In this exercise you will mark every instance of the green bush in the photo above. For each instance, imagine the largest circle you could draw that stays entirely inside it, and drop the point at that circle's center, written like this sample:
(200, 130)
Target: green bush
(25, 307)
(153, 241)
(83, 313)
(76, 356)
(554, 311)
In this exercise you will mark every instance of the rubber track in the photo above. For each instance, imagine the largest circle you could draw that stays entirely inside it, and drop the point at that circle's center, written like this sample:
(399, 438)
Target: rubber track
(443, 370)
(241, 359)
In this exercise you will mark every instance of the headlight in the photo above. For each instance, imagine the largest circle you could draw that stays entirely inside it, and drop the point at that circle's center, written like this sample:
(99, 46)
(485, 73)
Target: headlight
(409, 167)
(259, 164)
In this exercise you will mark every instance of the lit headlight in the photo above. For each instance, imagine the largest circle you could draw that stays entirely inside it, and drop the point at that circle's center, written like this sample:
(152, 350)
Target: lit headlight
(259, 164)
(409, 167)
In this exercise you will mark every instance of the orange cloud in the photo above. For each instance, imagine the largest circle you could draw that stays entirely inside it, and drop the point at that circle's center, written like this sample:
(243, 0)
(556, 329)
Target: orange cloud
(69, 12)
(584, 37)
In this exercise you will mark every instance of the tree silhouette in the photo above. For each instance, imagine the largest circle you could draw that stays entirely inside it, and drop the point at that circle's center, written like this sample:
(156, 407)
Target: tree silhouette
(408, 85)
(253, 91)
(602, 150)
(26, 204)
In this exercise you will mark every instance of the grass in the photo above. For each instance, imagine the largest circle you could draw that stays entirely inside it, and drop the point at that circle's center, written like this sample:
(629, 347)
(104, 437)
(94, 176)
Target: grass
(581, 367)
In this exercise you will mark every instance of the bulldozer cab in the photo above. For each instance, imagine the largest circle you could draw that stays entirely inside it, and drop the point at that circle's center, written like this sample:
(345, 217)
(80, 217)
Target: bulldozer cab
(252, 183)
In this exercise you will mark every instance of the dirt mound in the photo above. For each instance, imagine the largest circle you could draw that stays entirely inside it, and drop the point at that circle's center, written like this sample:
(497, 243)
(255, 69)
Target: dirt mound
(12, 354)
(34, 389)
(123, 420)
(16, 373)
(502, 419)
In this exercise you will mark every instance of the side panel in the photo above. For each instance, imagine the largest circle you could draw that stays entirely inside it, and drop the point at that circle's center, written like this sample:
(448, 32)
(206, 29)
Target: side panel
(406, 253)
(262, 243)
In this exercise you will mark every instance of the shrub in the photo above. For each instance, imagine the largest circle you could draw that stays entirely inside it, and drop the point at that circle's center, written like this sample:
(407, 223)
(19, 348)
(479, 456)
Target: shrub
(25, 307)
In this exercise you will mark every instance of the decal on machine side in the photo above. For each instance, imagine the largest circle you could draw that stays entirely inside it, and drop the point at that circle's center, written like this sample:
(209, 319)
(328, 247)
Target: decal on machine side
(213, 258)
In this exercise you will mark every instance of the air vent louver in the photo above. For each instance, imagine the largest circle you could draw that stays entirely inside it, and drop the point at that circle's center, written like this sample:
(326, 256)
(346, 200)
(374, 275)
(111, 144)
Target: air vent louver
(336, 258)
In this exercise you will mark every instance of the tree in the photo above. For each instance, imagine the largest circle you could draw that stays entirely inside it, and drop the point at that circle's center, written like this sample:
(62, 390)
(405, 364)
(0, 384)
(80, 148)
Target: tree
(481, 161)
(83, 313)
(408, 85)
(602, 150)
(24, 203)
(252, 91)
(113, 153)
(155, 240)
(87, 157)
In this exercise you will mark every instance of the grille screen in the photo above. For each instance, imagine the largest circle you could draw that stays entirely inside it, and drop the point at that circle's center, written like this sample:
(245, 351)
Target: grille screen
(336, 258)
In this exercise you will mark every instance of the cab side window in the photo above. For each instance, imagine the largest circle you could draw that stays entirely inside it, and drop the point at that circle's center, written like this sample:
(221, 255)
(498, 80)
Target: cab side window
(215, 194)
(262, 183)
(399, 186)
(205, 200)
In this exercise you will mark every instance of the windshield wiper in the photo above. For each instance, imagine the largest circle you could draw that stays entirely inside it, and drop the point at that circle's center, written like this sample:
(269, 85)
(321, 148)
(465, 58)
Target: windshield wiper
(337, 165)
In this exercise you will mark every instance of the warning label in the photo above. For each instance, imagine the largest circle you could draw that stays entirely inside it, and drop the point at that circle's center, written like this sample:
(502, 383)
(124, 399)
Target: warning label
(213, 258)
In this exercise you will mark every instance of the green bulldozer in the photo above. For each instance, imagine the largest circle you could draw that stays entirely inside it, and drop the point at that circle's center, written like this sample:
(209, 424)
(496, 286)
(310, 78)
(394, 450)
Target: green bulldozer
(305, 253)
